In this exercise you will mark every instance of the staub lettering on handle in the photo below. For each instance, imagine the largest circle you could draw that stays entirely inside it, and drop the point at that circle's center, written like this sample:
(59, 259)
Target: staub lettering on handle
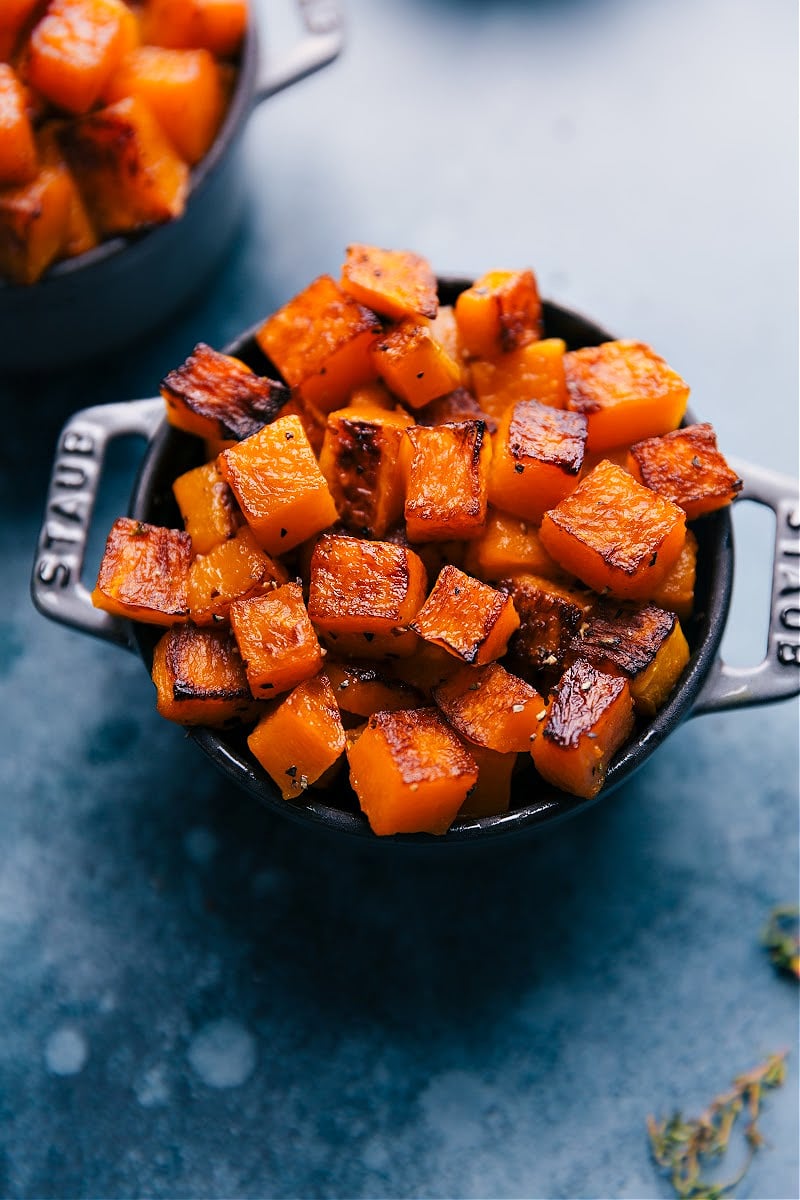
(787, 589)
(69, 508)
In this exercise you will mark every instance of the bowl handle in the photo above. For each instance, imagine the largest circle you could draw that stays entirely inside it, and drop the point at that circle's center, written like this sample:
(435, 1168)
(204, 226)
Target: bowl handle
(56, 586)
(778, 676)
(321, 44)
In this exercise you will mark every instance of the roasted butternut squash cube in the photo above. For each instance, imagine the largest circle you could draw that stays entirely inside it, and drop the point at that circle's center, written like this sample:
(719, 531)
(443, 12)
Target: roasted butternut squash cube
(456, 406)
(444, 328)
(200, 678)
(614, 534)
(127, 171)
(507, 546)
(313, 420)
(364, 688)
(551, 613)
(499, 313)
(19, 161)
(360, 586)
(215, 25)
(413, 364)
(279, 486)
(410, 772)
(687, 467)
(80, 234)
(300, 737)
(426, 668)
(229, 571)
(676, 592)
(394, 283)
(626, 392)
(466, 617)
(209, 511)
(590, 717)
(214, 395)
(34, 223)
(369, 397)
(533, 372)
(537, 458)
(183, 89)
(490, 706)
(644, 643)
(491, 794)
(74, 49)
(144, 573)
(15, 16)
(276, 639)
(360, 459)
(447, 477)
(320, 341)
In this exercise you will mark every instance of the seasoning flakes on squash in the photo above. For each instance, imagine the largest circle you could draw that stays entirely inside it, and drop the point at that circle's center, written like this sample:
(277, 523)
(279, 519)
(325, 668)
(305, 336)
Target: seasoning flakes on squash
(300, 737)
(537, 458)
(551, 613)
(276, 639)
(687, 468)
(447, 480)
(200, 678)
(491, 707)
(467, 618)
(501, 312)
(144, 573)
(230, 570)
(214, 395)
(394, 283)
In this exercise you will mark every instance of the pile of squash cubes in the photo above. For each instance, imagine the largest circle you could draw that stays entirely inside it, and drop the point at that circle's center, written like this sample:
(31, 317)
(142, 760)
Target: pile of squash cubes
(434, 548)
(105, 107)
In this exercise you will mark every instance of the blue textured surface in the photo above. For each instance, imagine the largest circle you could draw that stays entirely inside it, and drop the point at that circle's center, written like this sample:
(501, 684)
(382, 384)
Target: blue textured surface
(196, 999)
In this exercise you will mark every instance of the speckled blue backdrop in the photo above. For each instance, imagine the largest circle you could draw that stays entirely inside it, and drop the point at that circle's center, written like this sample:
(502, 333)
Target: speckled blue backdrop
(198, 1000)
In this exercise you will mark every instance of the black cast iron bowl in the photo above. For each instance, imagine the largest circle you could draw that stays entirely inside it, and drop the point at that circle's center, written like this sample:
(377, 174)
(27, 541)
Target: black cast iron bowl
(97, 302)
(707, 684)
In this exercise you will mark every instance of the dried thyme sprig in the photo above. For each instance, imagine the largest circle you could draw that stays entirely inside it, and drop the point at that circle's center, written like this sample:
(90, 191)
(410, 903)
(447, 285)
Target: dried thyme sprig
(683, 1146)
(781, 938)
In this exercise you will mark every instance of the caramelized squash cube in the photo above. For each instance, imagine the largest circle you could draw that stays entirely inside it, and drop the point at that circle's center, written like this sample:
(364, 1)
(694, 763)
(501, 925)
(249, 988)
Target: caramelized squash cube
(414, 365)
(490, 706)
(215, 25)
(410, 772)
(144, 573)
(363, 688)
(276, 639)
(645, 644)
(590, 717)
(209, 511)
(499, 313)
(182, 88)
(394, 283)
(300, 737)
(80, 234)
(125, 167)
(687, 467)
(34, 224)
(360, 459)
(320, 341)
(200, 678)
(551, 613)
(15, 16)
(361, 587)
(614, 534)
(214, 395)
(491, 794)
(279, 486)
(508, 546)
(75, 48)
(626, 392)
(230, 571)
(533, 372)
(537, 459)
(466, 617)
(447, 480)
(676, 592)
(19, 161)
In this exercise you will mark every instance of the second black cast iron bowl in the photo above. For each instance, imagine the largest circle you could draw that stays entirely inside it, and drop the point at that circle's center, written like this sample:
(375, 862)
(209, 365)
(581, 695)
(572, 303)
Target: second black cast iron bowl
(97, 302)
(706, 685)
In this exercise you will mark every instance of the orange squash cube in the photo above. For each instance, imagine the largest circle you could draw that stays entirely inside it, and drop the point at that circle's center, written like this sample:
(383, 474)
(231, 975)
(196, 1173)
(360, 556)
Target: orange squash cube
(279, 486)
(34, 225)
(360, 459)
(676, 592)
(537, 458)
(490, 706)
(589, 717)
(300, 737)
(466, 617)
(144, 573)
(182, 88)
(75, 48)
(614, 534)
(207, 506)
(230, 571)
(276, 639)
(507, 545)
(533, 372)
(426, 668)
(459, 405)
(19, 161)
(492, 792)
(551, 614)
(626, 392)
(80, 234)
(394, 283)
(364, 587)
(363, 688)
(410, 772)
(499, 313)
(369, 398)
(447, 477)
(214, 395)
(215, 25)
(200, 678)
(686, 467)
(14, 18)
(127, 171)
(320, 341)
(414, 365)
